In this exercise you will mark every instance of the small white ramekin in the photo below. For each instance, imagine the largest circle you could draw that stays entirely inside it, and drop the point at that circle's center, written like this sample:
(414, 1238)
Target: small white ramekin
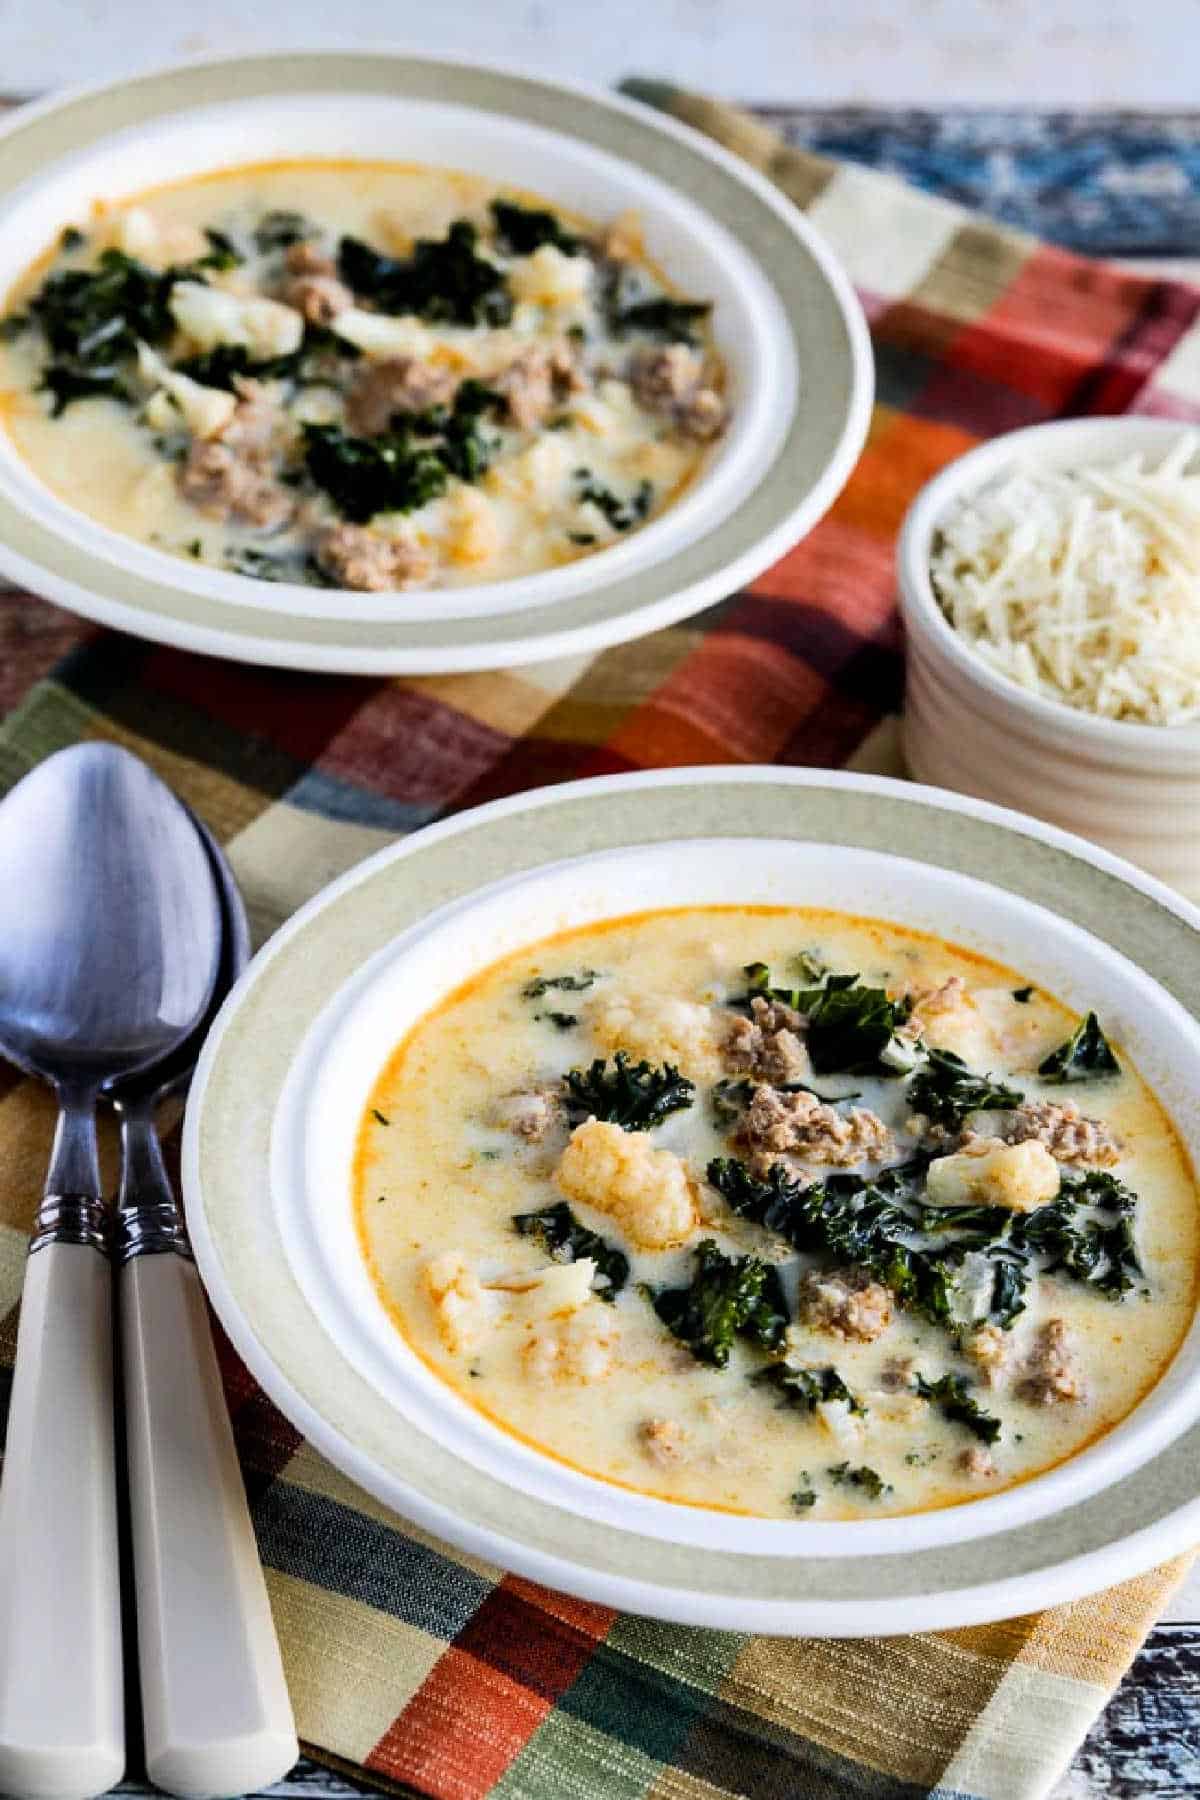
(1133, 788)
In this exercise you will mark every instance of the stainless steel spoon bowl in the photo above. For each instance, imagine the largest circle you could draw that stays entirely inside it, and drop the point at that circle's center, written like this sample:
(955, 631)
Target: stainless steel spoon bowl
(110, 934)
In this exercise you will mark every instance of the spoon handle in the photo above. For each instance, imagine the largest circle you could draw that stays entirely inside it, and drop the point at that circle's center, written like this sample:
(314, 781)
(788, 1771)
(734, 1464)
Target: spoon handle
(62, 1729)
(215, 1706)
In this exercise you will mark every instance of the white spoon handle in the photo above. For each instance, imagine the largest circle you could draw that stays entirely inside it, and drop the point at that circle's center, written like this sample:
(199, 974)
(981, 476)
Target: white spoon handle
(217, 1716)
(62, 1728)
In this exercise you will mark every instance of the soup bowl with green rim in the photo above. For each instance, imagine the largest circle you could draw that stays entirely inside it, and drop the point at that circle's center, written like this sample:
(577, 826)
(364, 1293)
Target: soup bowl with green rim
(282, 1086)
(785, 322)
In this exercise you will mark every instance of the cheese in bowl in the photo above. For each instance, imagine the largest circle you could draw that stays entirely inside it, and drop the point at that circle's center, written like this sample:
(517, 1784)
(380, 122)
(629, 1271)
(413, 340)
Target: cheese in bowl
(1082, 583)
(364, 376)
(780, 1212)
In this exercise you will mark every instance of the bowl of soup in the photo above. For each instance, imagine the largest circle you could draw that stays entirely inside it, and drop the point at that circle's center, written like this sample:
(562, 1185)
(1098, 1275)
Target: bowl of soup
(754, 1195)
(308, 347)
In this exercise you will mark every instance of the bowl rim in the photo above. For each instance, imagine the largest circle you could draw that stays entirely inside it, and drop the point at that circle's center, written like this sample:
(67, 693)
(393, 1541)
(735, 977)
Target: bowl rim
(401, 645)
(1058, 1568)
(968, 473)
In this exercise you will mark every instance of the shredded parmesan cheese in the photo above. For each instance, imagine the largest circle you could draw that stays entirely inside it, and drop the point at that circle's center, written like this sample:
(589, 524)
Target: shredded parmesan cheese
(1084, 585)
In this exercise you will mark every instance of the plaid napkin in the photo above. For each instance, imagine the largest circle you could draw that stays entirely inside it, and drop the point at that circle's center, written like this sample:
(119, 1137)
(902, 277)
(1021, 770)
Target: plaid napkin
(430, 1671)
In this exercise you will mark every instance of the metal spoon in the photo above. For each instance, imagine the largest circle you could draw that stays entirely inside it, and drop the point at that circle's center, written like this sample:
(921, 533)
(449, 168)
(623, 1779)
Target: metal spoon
(215, 1708)
(109, 941)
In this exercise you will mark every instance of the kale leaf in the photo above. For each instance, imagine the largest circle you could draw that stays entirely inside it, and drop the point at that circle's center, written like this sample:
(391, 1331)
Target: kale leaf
(1087, 1233)
(1087, 1055)
(856, 1220)
(953, 1395)
(444, 280)
(728, 1297)
(811, 965)
(280, 228)
(524, 229)
(66, 382)
(760, 986)
(1122, 1270)
(94, 319)
(621, 514)
(1010, 1283)
(806, 1389)
(557, 1232)
(945, 1090)
(730, 1098)
(871, 1483)
(365, 476)
(562, 1021)
(567, 984)
(804, 1497)
(1100, 1251)
(97, 316)
(222, 253)
(404, 468)
(266, 565)
(463, 447)
(1099, 1187)
(225, 364)
(220, 366)
(849, 1025)
(671, 321)
(632, 1095)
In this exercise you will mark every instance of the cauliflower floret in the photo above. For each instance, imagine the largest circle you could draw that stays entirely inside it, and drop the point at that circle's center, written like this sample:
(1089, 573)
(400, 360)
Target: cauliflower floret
(473, 534)
(646, 1190)
(581, 1347)
(468, 1309)
(550, 278)
(844, 1427)
(659, 1028)
(460, 1302)
(376, 334)
(204, 410)
(138, 233)
(949, 1018)
(210, 316)
(1018, 1176)
(549, 1293)
(537, 476)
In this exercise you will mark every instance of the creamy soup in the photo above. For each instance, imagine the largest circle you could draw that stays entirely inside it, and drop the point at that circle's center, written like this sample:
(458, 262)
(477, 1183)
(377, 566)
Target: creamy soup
(359, 375)
(778, 1211)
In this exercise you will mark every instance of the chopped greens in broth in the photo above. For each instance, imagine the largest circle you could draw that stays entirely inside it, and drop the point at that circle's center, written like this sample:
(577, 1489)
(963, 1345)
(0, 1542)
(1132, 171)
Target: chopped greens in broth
(809, 1230)
(364, 376)
(633, 1095)
(1086, 1055)
(728, 1297)
(558, 1232)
